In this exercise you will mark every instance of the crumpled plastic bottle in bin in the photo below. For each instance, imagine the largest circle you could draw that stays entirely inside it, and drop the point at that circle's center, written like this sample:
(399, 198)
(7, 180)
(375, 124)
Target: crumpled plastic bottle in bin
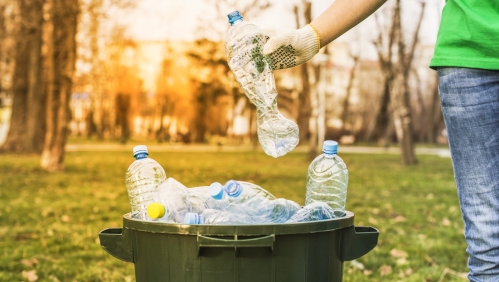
(170, 202)
(243, 46)
(244, 203)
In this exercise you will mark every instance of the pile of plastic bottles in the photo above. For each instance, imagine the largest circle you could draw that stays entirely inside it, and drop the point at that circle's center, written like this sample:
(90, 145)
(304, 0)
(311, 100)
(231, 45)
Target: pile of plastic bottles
(155, 197)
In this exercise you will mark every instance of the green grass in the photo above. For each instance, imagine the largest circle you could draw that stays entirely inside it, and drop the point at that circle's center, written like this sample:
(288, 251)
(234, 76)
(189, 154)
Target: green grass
(49, 223)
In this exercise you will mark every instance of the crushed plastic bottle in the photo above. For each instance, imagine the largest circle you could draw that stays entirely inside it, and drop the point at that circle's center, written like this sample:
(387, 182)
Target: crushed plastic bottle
(141, 180)
(170, 202)
(218, 217)
(313, 212)
(243, 46)
(327, 178)
(245, 203)
(207, 197)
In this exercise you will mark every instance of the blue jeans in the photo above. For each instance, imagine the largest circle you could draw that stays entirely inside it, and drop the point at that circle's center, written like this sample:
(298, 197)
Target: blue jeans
(470, 104)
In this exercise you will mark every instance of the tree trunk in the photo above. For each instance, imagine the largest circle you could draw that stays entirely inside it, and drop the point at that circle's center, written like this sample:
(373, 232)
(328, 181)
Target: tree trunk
(305, 108)
(382, 119)
(26, 126)
(61, 57)
(346, 101)
(400, 91)
(403, 119)
(435, 114)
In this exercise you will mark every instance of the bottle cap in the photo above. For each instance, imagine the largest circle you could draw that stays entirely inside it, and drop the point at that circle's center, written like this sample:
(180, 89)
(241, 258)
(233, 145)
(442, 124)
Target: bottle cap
(234, 16)
(191, 218)
(216, 190)
(330, 147)
(155, 210)
(140, 149)
(233, 188)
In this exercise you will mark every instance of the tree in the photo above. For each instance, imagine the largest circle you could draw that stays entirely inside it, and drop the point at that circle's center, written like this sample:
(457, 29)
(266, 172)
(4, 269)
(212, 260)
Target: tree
(60, 65)
(26, 128)
(396, 62)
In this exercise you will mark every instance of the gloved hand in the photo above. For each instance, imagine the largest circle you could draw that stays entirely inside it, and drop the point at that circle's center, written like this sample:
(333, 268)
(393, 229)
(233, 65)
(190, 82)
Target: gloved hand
(291, 48)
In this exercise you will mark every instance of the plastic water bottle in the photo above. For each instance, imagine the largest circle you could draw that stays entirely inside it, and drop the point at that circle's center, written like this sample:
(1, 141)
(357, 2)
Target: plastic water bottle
(212, 216)
(258, 202)
(170, 202)
(313, 212)
(207, 197)
(281, 210)
(243, 46)
(142, 178)
(327, 178)
(250, 201)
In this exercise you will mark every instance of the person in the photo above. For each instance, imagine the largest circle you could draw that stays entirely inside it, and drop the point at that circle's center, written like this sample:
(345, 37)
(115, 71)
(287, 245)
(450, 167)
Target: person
(466, 57)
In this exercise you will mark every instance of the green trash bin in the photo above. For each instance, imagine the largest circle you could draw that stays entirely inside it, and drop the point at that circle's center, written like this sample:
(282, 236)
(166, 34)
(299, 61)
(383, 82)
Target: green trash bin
(309, 251)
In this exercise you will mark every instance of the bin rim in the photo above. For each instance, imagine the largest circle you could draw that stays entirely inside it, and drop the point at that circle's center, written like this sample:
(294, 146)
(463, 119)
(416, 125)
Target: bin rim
(243, 230)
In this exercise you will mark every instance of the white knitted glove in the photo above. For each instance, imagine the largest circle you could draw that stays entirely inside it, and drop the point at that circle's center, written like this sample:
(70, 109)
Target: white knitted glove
(291, 48)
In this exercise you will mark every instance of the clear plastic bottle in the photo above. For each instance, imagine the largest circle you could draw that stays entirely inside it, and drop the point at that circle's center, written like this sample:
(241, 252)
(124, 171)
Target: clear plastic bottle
(207, 197)
(250, 200)
(171, 202)
(243, 46)
(218, 217)
(327, 179)
(142, 178)
(313, 212)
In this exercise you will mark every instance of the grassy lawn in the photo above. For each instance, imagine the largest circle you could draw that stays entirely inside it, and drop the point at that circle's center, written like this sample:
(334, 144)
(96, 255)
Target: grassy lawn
(49, 223)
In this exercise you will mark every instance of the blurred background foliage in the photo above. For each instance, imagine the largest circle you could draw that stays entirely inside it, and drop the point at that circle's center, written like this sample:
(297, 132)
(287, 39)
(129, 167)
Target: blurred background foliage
(74, 68)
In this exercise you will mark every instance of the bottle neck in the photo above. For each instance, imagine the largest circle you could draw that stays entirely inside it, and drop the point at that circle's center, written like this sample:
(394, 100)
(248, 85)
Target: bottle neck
(141, 156)
(329, 156)
(235, 22)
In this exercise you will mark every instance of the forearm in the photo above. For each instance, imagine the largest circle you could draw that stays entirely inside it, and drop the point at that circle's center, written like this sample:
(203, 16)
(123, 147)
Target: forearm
(341, 16)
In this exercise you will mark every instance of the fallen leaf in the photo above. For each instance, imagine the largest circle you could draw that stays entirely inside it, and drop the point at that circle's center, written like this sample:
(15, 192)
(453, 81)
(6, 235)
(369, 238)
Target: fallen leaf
(29, 262)
(30, 275)
(445, 221)
(65, 218)
(401, 261)
(385, 270)
(398, 253)
(399, 218)
(357, 264)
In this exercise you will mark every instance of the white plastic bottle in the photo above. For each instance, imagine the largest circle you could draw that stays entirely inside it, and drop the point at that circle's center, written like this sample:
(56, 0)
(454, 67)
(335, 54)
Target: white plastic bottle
(248, 199)
(218, 217)
(207, 197)
(142, 178)
(327, 179)
(243, 46)
(313, 212)
(170, 202)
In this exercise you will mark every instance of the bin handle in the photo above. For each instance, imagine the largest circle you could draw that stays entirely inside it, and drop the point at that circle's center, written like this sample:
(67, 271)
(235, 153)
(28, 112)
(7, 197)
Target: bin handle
(210, 242)
(357, 241)
(117, 242)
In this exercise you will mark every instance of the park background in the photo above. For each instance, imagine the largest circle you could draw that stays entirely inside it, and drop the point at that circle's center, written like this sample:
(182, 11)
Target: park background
(82, 82)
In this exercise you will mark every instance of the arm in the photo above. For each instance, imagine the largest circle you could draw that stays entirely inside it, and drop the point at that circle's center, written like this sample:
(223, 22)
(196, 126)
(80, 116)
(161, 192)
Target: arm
(292, 48)
(341, 16)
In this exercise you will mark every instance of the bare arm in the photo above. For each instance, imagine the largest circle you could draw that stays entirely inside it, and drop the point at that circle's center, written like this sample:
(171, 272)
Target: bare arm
(341, 16)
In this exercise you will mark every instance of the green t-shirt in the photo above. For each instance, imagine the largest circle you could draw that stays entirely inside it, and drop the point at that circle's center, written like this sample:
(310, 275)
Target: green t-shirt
(468, 35)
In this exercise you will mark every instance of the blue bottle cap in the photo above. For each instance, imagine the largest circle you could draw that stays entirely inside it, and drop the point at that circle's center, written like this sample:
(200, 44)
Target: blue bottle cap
(140, 149)
(216, 191)
(330, 147)
(233, 188)
(234, 16)
(191, 218)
